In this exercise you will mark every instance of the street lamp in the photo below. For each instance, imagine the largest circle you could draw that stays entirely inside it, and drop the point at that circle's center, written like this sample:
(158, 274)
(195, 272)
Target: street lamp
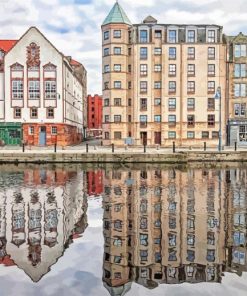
(218, 96)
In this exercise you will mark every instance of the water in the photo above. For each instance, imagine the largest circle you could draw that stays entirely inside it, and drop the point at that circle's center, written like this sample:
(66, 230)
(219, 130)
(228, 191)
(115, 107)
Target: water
(139, 230)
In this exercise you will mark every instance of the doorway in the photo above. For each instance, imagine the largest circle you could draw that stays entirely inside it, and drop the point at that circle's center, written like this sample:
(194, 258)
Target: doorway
(144, 138)
(157, 138)
(42, 136)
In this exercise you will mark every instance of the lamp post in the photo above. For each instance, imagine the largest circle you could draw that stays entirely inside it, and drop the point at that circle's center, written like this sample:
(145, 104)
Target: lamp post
(218, 96)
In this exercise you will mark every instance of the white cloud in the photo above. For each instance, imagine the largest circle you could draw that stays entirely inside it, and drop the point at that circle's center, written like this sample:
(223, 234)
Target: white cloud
(75, 29)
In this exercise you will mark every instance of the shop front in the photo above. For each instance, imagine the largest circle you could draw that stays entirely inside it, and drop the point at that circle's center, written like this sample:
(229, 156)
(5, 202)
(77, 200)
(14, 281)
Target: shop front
(237, 133)
(10, 134)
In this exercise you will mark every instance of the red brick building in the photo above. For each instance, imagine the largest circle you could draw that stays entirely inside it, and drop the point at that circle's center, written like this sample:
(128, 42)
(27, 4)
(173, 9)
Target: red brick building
(94, 115)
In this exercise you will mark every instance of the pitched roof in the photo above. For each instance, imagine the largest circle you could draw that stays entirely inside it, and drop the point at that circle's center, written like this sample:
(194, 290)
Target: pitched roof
(117, 16)
(150, 19)
(6, 45)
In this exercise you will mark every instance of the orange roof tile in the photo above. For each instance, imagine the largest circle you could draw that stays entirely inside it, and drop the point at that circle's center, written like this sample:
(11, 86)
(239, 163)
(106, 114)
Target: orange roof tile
(74, 63)
(6, 45)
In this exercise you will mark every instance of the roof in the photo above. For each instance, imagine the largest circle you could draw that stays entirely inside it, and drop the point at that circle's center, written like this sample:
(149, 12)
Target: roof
(74, 63)
(117, 16)
(149, 19)
(6, 45)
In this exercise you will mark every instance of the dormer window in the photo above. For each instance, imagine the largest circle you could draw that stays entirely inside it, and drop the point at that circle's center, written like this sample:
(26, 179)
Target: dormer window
(211, 36)
(143, 36)
(172, 36)
(191, 36)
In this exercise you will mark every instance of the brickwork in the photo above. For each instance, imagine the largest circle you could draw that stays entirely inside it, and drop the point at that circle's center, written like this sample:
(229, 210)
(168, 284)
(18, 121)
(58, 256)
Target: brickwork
(94, 114)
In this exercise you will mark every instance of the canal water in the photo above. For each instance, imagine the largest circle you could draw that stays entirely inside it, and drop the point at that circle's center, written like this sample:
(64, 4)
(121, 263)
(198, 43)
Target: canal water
(123, 230)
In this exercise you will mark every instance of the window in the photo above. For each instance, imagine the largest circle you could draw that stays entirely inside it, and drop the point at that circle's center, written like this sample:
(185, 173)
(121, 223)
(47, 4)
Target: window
(172, 70)
(191, 87)
(31, 130)
(106, 35)
(191, 70)
(211, 70)
(191, 53)
(129, 102)
(117, 50)
(157, 34)
(107, 118)
(117, 135)
(172, 86)
(117, 101)
(172, 104)
(157, 84)
(157, 118)
(117, 84)
(190, 120)
(172, 36)
(143, 69)
(205, 135)
(106, 102)
(106, 68)
(129, 68)
(117, 33)
(157, 68)
(171, 135)
(243, 133)
(190, 104)
(172, 53)
(190, 135)
(107, 135)
(106, 52)
(143, 53)
(240, 70)
(143, 36)
(240, 109)
(211, 120)
(54, 130)
(143, 86)
(157, 101)
(215, 135)
(172, 119)
(240, 50)
(117, 118)
(34, 113)
(129, 51)
(211, 104)
(17, 113)
(157, 50)
(191, 36)
(33, 89)
(106, 85)
(239, 89)
(50, 112)
(211, 53)
(143, 104)
(211, 87)
(143, 120)
(17, 89)
(129, 84)
(50, 89)
(211, 36)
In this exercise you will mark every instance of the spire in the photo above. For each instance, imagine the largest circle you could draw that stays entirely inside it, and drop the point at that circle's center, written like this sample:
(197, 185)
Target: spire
(117, 16)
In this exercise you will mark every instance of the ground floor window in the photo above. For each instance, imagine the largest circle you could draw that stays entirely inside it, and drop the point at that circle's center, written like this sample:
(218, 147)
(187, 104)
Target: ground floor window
(54, 130)
(243, 133)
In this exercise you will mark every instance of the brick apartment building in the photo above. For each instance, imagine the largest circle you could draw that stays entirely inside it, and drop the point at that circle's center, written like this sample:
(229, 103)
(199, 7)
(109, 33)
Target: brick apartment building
(94, 115)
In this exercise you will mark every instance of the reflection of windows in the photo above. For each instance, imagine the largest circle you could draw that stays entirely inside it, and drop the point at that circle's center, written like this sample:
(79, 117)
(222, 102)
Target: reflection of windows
(117, 190)
(143, 223)
(239, 257)
(118, 224)
(172, 255)
(190, 255)
(143, 190)
(157, 191)
(239, 238)
(158, 257)
(157, 240)
(157, 208)
(172, 222)
(144, 255)
(190, 270)
(172, 206)
(172, 239)
(171, 271)
(144, 239)
(117, 275)
(117, 242)
(211, 255)
(190, 240)
(117, 259)
(212, 222)
(143, 206)
(157, 223)
(107, 190)
(144, 273)
(117, 208)
(211, 238)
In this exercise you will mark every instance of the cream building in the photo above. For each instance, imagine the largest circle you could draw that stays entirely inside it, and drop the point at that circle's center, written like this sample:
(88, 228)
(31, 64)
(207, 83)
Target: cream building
(159, 82)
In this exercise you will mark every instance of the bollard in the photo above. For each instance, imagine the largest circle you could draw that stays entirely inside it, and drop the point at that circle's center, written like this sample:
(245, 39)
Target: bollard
(173, 147)
(112, 148)
(235, 146)
(23, 147)
(205, 146)
(55, 147)
(101, 143)
(145, 148)
(87, 148)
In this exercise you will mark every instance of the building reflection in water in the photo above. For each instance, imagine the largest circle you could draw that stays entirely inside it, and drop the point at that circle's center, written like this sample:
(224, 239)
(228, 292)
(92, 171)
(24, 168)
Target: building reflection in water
(40, 218)
(172, 226)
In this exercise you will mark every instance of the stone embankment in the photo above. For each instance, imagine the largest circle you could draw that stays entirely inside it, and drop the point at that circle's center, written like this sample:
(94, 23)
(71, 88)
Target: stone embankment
(117, 157)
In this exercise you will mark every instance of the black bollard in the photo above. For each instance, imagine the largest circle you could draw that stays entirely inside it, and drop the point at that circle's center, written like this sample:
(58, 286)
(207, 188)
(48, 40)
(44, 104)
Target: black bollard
(235, 146)
(87, 148)
(55, 147)
(205, 146)
(173, 147)
(101, 143)
(23, 147)
(112, 148)
(145, 148)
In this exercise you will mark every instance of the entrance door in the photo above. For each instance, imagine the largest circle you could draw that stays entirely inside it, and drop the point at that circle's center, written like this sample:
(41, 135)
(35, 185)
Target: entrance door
(42, 136)
(144, 138)
(157, 138)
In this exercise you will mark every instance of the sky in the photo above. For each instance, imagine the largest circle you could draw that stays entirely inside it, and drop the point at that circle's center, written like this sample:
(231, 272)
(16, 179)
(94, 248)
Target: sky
(74, 26)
